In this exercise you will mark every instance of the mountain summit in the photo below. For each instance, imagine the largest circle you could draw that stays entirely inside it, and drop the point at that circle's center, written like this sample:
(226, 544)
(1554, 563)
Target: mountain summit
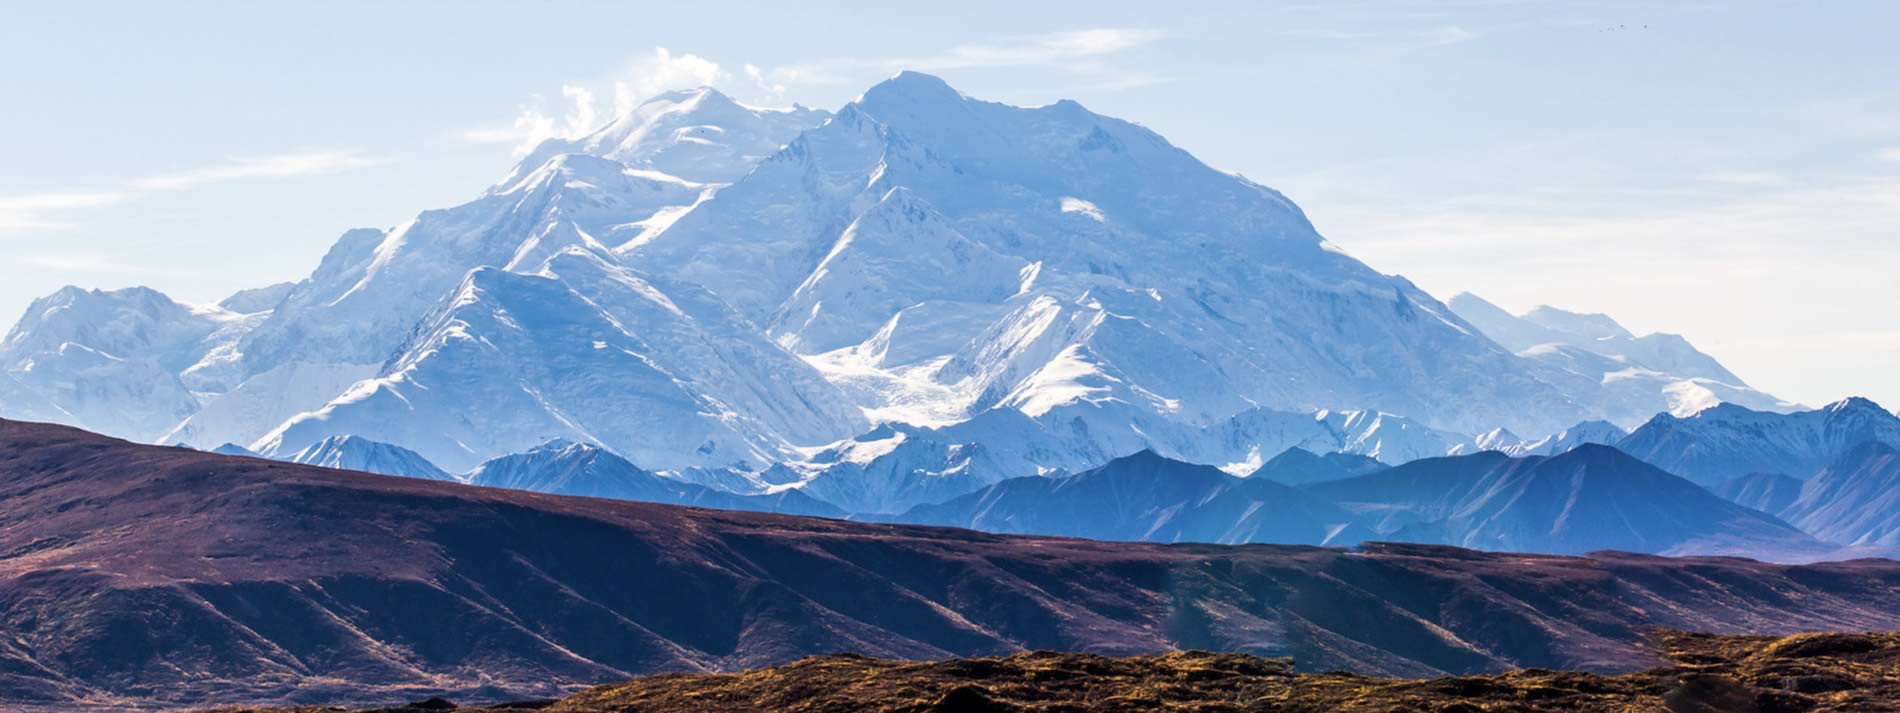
(702, 286)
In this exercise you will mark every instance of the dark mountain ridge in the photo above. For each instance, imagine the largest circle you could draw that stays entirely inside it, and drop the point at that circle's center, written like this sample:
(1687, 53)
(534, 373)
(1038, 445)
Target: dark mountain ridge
(1594, 497)
(163, 577)
(1151, 498)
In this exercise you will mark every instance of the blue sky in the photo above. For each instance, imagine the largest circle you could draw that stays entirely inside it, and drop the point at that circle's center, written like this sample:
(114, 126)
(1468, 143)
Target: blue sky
(1728, 171)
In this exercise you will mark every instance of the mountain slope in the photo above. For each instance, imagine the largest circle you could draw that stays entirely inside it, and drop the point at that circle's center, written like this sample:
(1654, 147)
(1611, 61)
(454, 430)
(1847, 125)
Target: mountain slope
(1564, 441)
(1297, 466)
(1146, 497)
(1855, 500)
(895, 466)
(1591, 498)
(1151, 279)
(1771, 493)
(600, 190)
(698, 134)
(362, 454)
(1632, 377)
(282, 582)
(583, 349)
(563, 468)
(129, 361)
(1730, 440)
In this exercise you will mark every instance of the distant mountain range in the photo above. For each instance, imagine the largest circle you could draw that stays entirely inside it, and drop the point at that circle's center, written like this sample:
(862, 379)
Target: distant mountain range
(1148, 497)
(355, 453)
(1588, 499)
(1592, 498)
(291, 583)
(1729, 440)
(1585, 498)
(1592, 356)
(911, 299)
(566, 468)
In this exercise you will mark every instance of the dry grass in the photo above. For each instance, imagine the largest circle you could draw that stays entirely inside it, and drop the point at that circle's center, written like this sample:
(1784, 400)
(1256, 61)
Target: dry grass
(1708, 674)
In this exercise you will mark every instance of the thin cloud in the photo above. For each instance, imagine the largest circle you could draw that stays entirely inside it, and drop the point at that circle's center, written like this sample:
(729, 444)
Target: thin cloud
(663, 70)
(42, 211)
(646, 76)
(278, 166)
(35, 211)
(1047, 48)
(1054, 48)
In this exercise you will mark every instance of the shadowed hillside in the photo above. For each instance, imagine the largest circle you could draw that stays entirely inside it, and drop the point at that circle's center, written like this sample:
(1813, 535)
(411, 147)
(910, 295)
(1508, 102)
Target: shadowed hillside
(163, 576)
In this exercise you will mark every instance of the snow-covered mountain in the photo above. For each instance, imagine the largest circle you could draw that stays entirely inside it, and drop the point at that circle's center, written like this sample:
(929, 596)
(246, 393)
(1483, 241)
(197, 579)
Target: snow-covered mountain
(130, 362)
(568, 468)
(1564, 441)
(943, 256)
(586, 350)
(916, 298)
(357, 453)
(362, 303)
(1628, 378)
(1731, 440)
(898, 466)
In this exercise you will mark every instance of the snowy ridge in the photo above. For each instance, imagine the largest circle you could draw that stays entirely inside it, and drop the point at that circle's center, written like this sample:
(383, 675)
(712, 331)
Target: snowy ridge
(912, 299)
(1632, 377)
(355, 453)
(585, 350)
(943, 258)
(1564, 441)
(131, 362)
(569, 468)
(1729, 440)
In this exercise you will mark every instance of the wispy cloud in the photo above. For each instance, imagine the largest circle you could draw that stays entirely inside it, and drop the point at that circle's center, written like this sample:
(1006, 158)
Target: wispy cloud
(1888, 154)
(278, 166)
(51, 211)
(1039, 49)
(580, 110)
(645, 76)
(1054, 48)
(36, 211)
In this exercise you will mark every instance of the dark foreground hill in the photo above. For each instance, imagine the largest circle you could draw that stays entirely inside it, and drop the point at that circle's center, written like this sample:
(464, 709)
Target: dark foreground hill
(151, 576)
(1810, 673)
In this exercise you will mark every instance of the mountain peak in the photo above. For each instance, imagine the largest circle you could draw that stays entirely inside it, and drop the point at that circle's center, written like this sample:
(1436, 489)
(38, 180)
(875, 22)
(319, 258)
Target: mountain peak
(352, 452)
(914, 85)
(1854, 404)
(1596, 453)
(699, 134)
(911, 96)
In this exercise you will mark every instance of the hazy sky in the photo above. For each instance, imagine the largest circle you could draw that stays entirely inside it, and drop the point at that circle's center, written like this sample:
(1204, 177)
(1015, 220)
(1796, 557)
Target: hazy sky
(1728, 171)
